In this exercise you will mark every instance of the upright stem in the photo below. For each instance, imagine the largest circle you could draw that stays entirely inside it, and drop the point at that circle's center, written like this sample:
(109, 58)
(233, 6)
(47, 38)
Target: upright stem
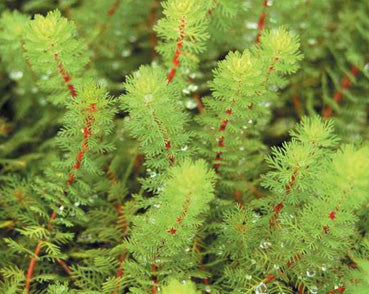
(36, 252)
(85, 142)
(67, 78)
(179, 45)
(278, 208)
(154, 288)
(338, 95)
(76, 166)
(261, 22)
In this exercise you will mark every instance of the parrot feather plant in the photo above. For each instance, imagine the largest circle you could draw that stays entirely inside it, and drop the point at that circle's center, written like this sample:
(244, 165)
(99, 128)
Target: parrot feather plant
(184, 146)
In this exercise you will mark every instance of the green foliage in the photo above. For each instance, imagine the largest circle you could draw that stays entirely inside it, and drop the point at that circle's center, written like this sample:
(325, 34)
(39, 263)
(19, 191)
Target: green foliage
(184, 146)
(177, 287)
(168, 228)
(55, 54)
(153, 105)
(242, 90)
(185, 22)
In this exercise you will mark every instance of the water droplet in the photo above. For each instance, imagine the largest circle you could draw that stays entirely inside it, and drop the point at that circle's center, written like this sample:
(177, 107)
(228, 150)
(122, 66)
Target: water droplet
(269, 3)
(184, 148)
(261, 289)
(193, 87)
(43, 101)
(190, 104)
(310, 273)
(314, 289)
(186, 91)
(16, 75)
(324, 267)
(251, 25)
(265, 245)
(125, 53)
(115, 65)
(303, 25)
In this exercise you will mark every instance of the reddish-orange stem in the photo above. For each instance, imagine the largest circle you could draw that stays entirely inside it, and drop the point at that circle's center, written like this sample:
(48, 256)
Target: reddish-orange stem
(31, 266)
(84, 145)
(278, 208)
(179, 45)
(67, 78)
(238, 197)
(154, 288)
(222, 128)
(37, 250)
(338, 95)
(70, 181)
(113, 9)
(65, 267)
(200, 106)
(202, 267)
(261, 22)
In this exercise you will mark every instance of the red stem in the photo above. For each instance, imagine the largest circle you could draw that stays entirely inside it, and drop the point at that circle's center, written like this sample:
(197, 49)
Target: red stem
(113, 9)
(77, 164)
(37, 250)
(65, 267)
(84, 145)
(31, 266)
(179, 45)
(278, 208)
(202, 267)
(154, 288)
(338, 95)
(222, 128)
(67, 78)
(261, 22)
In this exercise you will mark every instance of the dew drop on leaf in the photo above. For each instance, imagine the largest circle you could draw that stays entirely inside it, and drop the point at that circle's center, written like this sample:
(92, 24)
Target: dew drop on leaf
(16, 75)
(190, 104)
